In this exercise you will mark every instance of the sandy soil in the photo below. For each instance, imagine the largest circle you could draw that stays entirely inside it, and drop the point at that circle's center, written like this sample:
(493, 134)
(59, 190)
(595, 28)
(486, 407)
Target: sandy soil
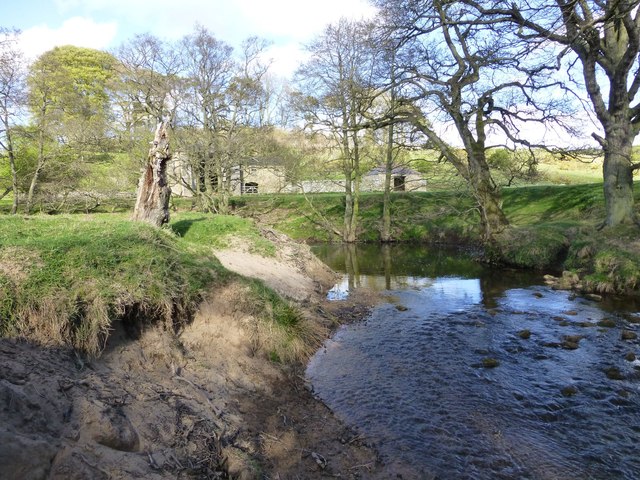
(201, 404)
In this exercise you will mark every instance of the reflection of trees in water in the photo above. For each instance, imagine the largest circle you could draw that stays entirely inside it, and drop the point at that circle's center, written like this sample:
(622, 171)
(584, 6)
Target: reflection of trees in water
(351, 264)
(386, 261)
(414, 265)
(495, 282)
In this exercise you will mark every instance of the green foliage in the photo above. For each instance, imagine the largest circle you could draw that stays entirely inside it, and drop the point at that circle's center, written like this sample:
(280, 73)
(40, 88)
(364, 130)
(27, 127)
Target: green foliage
(74, 80)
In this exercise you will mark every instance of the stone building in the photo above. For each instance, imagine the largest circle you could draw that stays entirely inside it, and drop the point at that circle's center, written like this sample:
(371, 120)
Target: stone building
(403, 179)
(262, 176)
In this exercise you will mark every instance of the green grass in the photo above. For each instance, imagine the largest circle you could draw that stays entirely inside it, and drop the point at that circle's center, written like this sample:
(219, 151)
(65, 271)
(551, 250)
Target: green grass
(220, 231)
(534, 205)
(66, 279)
(430, 217)
(69, 277)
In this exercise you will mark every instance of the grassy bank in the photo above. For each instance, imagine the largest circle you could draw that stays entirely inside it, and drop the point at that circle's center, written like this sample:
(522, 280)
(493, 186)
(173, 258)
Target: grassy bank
(67, 279)
(552, 226)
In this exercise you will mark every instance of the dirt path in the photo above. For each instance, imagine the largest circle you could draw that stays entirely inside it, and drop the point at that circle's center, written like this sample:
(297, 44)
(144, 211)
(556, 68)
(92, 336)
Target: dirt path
(203, 404)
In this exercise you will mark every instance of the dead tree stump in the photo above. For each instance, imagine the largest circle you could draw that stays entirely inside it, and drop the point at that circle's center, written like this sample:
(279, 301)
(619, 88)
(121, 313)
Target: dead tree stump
(152, 203)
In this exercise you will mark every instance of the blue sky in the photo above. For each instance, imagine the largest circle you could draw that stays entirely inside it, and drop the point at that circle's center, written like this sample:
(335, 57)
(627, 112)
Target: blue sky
(105, 24)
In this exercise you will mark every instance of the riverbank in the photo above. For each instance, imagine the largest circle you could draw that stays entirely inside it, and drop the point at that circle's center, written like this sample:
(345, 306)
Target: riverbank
(216, 393)
(552, 228)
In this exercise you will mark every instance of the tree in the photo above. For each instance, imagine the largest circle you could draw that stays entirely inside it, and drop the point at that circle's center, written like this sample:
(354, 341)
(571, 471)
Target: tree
(70, 107)
(12, 89)
(152, 203)
(147, 90)
(603, 36)
(209, 68)
(225, 114)
(335, 91)
(452, 69)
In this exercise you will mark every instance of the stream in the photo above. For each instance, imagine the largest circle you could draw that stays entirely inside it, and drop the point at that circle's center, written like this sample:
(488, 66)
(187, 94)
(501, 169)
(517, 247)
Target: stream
(467, 372)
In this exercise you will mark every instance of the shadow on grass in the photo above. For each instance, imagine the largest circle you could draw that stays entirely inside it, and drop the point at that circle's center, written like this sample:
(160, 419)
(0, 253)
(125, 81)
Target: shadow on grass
(548, 203)
(181, 227)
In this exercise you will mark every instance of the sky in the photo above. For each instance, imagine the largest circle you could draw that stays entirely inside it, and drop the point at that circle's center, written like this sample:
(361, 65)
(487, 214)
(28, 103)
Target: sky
(105, 24)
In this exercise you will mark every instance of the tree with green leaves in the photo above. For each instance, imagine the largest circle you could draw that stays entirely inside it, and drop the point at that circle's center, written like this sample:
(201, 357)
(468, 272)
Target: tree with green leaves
(70, 108)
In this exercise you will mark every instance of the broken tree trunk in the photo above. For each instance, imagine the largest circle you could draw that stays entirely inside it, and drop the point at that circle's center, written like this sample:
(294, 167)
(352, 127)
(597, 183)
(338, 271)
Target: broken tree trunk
(152, 204)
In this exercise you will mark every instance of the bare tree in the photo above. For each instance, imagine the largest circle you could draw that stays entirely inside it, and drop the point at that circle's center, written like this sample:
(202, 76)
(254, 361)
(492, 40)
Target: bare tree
(603, 36)
(209, 67)
(452, 70)
(224, 114)
(147, 91)
(12, 99)
(335, 90)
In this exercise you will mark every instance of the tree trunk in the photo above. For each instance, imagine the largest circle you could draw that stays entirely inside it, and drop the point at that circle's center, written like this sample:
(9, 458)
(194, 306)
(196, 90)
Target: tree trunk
(14, 173)
(385, 235)
(152, 204)
(492, 218)
(32, 187)
(14, 183)
(618, 178)
(487, 195)
(348, 234)
(36, 174)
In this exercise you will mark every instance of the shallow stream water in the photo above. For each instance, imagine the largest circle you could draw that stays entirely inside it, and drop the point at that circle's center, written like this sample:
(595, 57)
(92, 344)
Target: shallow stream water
(472, 373)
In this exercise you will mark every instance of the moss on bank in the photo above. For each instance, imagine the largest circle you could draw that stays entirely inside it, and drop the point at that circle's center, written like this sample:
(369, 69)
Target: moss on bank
(66, 279)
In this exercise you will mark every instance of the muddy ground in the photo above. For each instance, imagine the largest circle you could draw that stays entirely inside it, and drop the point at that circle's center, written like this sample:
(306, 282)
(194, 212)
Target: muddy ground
(206, 403)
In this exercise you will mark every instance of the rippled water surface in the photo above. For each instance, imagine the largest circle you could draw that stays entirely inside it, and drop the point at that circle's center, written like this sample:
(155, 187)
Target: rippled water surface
(469, 373)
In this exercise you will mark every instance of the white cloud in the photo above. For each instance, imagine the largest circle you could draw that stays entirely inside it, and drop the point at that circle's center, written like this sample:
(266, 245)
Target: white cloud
(78, 31)
(299, 20)
(231, 21)
(285, 59)
(286, 23)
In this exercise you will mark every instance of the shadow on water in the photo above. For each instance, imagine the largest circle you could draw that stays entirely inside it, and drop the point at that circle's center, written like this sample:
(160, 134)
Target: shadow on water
(483, 374)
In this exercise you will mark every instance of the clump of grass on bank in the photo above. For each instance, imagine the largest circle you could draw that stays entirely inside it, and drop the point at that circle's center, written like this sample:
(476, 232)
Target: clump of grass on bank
(607, 261)
(281, 331)
(66, 279)
(529, 247)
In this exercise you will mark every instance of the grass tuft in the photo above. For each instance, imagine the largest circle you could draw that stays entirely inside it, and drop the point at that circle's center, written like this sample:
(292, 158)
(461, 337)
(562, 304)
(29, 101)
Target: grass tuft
(278, 329)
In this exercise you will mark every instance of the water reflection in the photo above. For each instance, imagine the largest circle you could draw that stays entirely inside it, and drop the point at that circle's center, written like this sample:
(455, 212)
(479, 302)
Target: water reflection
(392, 267)
(415, 379)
